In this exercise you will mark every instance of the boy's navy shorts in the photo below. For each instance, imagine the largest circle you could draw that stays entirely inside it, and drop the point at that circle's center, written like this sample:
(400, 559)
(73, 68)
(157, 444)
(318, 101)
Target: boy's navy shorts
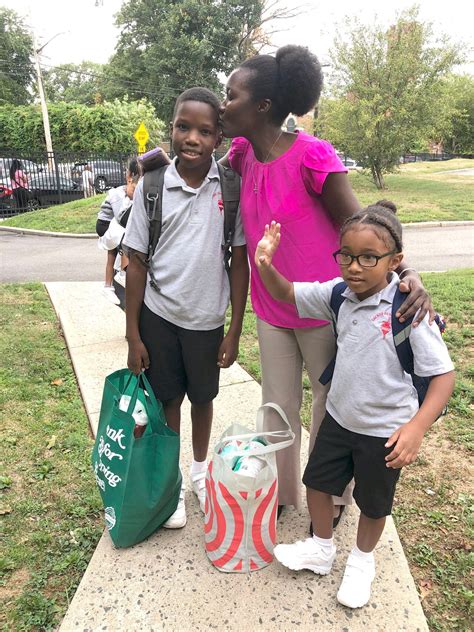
(340, 455)
(182, 361)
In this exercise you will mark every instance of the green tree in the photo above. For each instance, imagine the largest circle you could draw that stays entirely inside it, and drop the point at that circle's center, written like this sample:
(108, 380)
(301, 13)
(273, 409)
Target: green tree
(16, 66)
(458, 135)
(75, 83)
(385, 91)
(104, 128)
(167, 46)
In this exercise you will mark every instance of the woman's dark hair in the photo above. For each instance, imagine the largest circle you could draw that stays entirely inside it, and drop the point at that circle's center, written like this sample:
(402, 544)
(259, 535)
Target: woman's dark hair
(133, 167)
(198, 94)
(14, 167)
(292, 80)
(381, 217)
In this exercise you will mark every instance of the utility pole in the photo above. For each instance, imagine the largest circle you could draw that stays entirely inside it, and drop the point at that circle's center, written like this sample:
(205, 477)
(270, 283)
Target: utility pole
(44, 107)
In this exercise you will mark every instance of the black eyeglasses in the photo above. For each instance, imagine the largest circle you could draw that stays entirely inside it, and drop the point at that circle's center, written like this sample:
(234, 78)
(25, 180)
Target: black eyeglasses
(365, 261)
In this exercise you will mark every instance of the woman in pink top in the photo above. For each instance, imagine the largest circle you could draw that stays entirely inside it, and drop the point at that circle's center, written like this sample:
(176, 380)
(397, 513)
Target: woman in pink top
(297, 180)
(19, 184)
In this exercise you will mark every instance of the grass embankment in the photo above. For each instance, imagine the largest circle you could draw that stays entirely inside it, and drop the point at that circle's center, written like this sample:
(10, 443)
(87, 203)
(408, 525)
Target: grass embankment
(49, 505)
(421, 191)
(434, 508)
(79, 216)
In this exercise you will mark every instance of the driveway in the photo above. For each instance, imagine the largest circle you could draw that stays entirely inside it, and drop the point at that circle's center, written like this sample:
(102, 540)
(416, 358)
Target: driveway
(38, 258)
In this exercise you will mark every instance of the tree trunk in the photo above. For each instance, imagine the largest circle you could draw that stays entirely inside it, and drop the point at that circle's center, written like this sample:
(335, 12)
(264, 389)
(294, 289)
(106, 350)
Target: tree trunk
(377, 177)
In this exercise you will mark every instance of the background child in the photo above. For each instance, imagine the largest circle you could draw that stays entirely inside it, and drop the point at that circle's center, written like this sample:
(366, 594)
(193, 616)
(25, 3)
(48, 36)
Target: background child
(116, 205)
(373, 424)
(177, 333)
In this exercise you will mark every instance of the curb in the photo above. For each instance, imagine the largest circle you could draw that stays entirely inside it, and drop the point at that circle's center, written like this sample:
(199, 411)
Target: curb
(45, 233)
(438, 224)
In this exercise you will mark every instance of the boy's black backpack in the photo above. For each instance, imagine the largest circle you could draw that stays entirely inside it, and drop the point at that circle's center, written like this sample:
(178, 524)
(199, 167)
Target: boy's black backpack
(153, 199)
(401, 338)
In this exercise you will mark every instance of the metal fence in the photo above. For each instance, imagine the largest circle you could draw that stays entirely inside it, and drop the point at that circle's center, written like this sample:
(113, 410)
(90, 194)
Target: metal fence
(58, 178)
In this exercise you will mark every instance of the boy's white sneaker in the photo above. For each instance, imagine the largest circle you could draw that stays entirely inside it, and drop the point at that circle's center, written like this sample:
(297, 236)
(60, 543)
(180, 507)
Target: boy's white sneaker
(109, 294)
(306, 554)
(198, 482)
(354, 591)
(178, 519)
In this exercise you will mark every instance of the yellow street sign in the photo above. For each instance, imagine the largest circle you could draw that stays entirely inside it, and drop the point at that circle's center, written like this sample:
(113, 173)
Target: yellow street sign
(141, 135)
(141, 149)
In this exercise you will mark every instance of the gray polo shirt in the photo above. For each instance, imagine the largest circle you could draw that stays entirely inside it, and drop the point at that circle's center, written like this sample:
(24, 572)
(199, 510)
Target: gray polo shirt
(370, 393)
(188, 263)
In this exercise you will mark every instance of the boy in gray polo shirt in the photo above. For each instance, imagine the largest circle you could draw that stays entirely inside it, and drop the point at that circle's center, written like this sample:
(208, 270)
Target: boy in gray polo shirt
(176, 334)
(373, 424)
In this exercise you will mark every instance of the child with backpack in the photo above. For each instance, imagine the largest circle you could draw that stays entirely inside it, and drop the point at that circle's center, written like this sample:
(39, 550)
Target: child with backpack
(178, 293)
(374, 423)
(114, 211)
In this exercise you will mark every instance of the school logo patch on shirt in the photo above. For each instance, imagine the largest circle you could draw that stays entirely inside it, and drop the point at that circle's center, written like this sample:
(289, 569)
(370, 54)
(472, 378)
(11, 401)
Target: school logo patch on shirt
(383, 321)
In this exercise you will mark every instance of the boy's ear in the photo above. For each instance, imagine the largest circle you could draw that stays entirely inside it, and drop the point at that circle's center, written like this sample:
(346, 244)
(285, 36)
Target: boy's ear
(219, 138)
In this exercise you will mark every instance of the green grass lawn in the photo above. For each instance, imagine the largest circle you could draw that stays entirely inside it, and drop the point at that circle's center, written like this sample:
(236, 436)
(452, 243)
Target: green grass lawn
(51, 510)
(434, 508)
(421, 191)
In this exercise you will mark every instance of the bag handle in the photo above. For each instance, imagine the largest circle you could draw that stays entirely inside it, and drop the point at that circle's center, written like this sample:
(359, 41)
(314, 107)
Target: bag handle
(143, 384)
(287, 435)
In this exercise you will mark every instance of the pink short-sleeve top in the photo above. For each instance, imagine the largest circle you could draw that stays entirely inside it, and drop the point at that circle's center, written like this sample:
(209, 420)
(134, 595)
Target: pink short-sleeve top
(288, 190)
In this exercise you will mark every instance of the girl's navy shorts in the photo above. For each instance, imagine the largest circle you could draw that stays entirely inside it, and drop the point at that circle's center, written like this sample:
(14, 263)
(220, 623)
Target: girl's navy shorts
(340, 455)
(182, 361)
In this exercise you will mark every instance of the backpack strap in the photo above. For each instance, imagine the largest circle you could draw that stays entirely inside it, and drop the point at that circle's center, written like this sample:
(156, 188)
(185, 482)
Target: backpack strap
(230, 187)
(337, 299)
(401, 335)
(153, 182)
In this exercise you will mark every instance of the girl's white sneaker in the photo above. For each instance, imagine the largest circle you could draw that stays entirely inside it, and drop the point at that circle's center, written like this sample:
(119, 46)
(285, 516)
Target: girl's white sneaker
(306, 554)
(354, 591)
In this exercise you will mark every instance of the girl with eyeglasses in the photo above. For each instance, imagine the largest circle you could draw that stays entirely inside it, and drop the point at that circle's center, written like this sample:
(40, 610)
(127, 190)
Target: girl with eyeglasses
(374, 424)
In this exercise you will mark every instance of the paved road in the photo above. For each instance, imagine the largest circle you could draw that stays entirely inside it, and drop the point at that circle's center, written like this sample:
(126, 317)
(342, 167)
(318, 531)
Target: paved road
(37, 258)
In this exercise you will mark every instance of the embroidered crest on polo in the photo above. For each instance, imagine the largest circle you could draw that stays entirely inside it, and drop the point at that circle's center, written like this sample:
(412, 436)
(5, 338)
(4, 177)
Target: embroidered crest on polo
(383, 320)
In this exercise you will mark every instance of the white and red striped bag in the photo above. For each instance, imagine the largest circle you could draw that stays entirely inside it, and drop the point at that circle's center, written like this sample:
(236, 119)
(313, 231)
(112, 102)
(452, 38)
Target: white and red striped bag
(241, 511)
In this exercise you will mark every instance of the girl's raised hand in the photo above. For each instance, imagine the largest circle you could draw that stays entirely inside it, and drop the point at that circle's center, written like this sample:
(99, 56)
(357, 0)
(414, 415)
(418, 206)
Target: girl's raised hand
(268, 245)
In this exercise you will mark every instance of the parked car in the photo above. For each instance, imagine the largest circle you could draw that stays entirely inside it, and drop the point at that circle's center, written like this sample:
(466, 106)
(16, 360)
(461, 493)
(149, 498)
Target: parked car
(107, 173)
(46, 189)
(350, 163)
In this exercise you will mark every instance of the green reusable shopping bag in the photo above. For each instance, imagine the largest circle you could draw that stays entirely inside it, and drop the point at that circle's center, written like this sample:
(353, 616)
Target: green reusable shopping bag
(139, 479)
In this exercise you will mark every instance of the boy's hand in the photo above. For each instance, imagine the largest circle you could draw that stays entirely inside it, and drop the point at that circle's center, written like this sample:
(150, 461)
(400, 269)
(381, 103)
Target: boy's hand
(228, 351)
(138, 359)
(407, 440)
(268, 245)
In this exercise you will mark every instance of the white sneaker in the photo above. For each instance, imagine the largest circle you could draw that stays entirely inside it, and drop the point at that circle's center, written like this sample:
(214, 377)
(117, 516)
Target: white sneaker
(178, 519)
(198, 482)
(109, 293)
(120, 277)
(354, 591)
(306, 554)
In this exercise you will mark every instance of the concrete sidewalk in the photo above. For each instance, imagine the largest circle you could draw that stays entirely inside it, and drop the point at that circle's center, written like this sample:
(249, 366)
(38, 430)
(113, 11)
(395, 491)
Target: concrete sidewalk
(167, 582)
